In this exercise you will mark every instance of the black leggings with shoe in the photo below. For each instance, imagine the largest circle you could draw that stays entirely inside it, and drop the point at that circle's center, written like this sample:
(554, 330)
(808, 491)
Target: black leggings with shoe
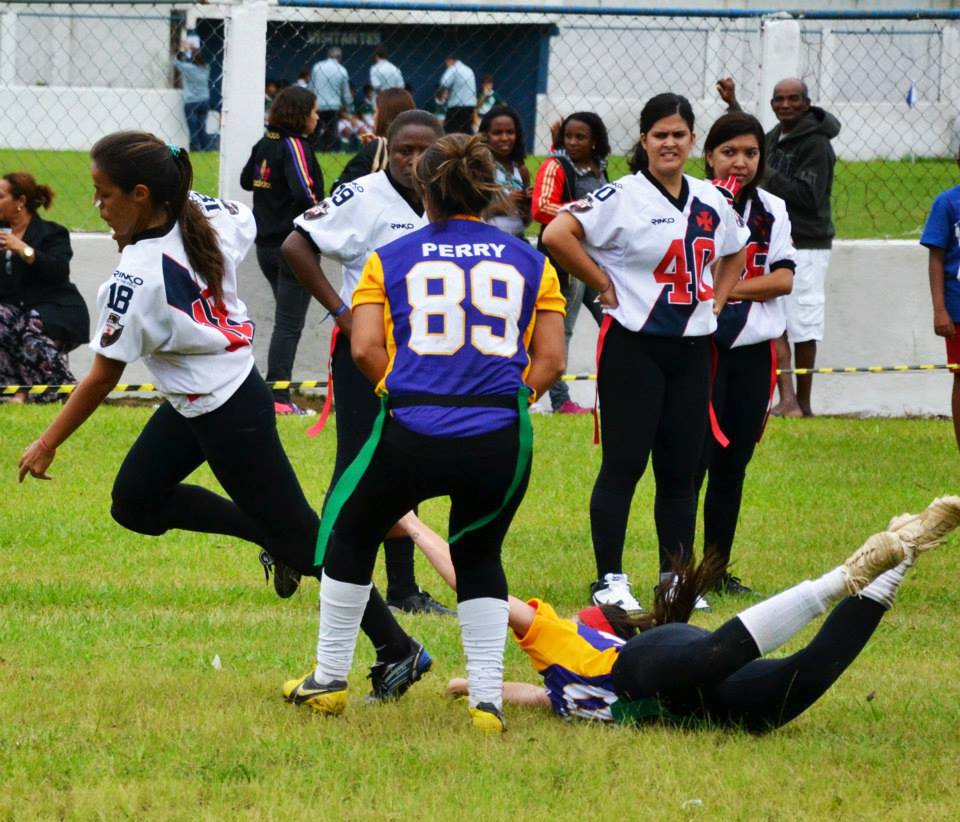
(717, 677)
(654, 397)
(408, 468)
(266, 505)
(741, 396)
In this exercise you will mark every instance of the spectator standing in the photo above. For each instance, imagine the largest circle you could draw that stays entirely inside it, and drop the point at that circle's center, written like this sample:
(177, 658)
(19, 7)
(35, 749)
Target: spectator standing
(286, 180)
(461, 85)
(940, 236)
(42, 315)
(195, 79)
(800, 161)
(383, 73)
(488, 97)
(331, 83)
(504, 132)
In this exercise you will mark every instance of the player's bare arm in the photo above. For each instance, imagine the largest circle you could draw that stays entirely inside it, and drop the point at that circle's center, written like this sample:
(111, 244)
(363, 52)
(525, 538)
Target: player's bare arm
(775, 284)
(303, 261)
(90, 393)
(942, 324)
(368, 342)
(563, 237)
(726, 276)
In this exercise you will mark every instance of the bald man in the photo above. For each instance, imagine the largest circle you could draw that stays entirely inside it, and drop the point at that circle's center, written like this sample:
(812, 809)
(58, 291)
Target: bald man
(800, 163)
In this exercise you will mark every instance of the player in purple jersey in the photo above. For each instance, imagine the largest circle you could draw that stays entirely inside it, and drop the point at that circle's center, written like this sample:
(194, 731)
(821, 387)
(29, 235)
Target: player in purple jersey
(663, 251)
(744, 371)
(459, 326)
(606, 666)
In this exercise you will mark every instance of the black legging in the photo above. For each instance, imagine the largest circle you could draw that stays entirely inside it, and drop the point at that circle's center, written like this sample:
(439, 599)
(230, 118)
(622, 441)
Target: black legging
(267, 507)
(357, 408)
(408, 468)
(741, 393)
(717, 677)
(654, 395)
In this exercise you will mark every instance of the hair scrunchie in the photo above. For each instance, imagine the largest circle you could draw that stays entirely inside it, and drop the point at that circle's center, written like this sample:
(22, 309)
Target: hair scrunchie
(174, 149)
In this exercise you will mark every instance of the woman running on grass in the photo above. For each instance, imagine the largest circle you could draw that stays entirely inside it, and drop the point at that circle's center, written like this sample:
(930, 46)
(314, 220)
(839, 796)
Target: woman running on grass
(172, 301)
(613, 667)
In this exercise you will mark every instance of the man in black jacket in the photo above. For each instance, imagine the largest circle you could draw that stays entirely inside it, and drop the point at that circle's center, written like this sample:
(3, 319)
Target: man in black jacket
(800, 162)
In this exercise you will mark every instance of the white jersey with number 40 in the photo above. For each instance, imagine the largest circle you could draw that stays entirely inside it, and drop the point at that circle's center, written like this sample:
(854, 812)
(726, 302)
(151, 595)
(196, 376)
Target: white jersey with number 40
(658, 251)
(155, 307)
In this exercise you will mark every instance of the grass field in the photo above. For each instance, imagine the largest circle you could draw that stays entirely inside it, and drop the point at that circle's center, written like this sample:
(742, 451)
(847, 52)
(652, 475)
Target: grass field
(111, 708)
(870, 199)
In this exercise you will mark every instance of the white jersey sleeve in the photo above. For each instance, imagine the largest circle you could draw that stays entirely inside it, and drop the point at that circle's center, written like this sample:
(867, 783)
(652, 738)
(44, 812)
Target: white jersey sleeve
(233, 222)
(340, 225)
(132, 316)
(603, 215)
(732, 234)
(781, 240)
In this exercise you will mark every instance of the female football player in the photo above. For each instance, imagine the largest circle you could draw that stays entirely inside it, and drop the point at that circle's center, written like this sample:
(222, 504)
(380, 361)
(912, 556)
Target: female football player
(612, 667)
(172, 301)
(656, 246)
(745, 368)
(458, 325)
(357, 218)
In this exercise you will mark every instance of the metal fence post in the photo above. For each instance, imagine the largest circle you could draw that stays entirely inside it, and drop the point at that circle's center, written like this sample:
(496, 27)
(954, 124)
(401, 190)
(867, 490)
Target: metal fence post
(779, 58)
(244, 68)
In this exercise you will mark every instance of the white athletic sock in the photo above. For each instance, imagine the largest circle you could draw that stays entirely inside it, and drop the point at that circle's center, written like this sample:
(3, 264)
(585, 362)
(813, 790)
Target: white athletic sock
(483, 626)
(884, 588)
(341, 609)
(775, 621)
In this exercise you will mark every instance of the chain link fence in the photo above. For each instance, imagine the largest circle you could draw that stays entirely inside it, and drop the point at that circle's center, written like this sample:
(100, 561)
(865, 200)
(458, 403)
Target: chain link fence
(71, 72)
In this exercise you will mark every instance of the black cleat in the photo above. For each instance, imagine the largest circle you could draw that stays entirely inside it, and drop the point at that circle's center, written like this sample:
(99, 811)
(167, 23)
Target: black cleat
(419, 603)
(285, 579)
(391, 680)
(733, 586)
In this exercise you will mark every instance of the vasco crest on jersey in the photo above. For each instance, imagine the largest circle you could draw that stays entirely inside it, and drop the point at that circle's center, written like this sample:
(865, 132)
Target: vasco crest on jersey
(321, 209)
(111, 330)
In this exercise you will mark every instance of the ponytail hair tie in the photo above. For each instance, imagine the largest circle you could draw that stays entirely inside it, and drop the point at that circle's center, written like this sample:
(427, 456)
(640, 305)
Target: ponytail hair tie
(174, 150)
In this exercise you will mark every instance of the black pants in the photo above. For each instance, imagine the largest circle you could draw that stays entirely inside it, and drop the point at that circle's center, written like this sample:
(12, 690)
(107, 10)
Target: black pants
(717, 677)
(741, 393)
(266, 507)
(325, 136)
(407, 468)
(292, 302)
(459, 120)
(654, 396)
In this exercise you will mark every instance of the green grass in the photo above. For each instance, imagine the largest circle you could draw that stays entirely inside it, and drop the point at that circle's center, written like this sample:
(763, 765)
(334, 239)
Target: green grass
(111, 708)
(880, 198)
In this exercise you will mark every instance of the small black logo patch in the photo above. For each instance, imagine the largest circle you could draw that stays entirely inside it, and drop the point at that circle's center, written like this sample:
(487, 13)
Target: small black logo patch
(111, 331)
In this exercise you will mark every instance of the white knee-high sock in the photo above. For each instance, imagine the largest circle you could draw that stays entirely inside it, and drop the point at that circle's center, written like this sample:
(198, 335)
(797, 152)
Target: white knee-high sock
(775, 621)
(483, 626)
(884, 588)
(341, 609)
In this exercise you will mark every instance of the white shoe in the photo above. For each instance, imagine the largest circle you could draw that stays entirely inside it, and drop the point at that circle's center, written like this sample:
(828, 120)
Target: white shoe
(614, 589)
(701, 604)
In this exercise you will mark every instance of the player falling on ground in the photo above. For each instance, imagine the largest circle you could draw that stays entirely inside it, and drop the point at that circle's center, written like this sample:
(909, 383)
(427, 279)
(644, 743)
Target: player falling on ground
(603, 669)
(457, 324)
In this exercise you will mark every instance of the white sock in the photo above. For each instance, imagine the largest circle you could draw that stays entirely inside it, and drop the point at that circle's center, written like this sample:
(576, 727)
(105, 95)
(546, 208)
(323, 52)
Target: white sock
(341, 608)
(483, 626)
(775, 621)
(884, 588)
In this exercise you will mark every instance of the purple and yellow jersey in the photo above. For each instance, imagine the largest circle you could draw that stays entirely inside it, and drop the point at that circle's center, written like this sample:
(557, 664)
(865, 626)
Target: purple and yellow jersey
(575, 662)
(460, 304)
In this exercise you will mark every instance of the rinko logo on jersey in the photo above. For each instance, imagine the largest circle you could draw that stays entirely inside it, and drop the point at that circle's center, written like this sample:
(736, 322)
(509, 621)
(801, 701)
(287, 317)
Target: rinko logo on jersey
(662, 221)
(402, 226)
(112, 330)
(128, 279)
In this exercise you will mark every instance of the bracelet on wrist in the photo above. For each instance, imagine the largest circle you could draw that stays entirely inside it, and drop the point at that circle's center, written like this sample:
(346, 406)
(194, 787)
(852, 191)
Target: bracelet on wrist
(340, 311)
(45, 446)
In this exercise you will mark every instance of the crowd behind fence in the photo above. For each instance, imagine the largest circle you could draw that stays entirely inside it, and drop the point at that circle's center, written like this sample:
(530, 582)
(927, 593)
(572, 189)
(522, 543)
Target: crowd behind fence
(71, 72)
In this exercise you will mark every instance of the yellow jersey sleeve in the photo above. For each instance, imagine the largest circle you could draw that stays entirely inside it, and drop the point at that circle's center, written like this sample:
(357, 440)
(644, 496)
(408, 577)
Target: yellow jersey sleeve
(549, 298)
(371, 287)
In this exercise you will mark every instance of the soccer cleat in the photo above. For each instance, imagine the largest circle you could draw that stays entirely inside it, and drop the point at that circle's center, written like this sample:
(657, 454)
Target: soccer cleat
(925, 531)
(488, 718)
(419, 603)
(614, 589)
(733, 586)
(285, 579)
(391, 680)
(328, 698)
(291, 409)
(879, 553)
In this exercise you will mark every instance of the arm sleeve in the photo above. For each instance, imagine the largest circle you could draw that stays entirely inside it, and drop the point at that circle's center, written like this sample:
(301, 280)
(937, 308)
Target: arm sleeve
(446, 80)
(345, 91)
(371, 288)
(52, 265)
(306, 190)
(338, 231)
(548, 192)
(246, 176)
(807, 186)
(549, 297)
(781, 253)
(734, 234)
(601, 221)
(137, 323)
(936, 232)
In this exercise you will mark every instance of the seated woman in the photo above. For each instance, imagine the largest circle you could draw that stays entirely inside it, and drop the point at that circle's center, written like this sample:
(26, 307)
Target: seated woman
(42, 315)
(612, 667)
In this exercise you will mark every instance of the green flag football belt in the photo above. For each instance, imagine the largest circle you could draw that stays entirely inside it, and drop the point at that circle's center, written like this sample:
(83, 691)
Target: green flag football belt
(350, 479)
